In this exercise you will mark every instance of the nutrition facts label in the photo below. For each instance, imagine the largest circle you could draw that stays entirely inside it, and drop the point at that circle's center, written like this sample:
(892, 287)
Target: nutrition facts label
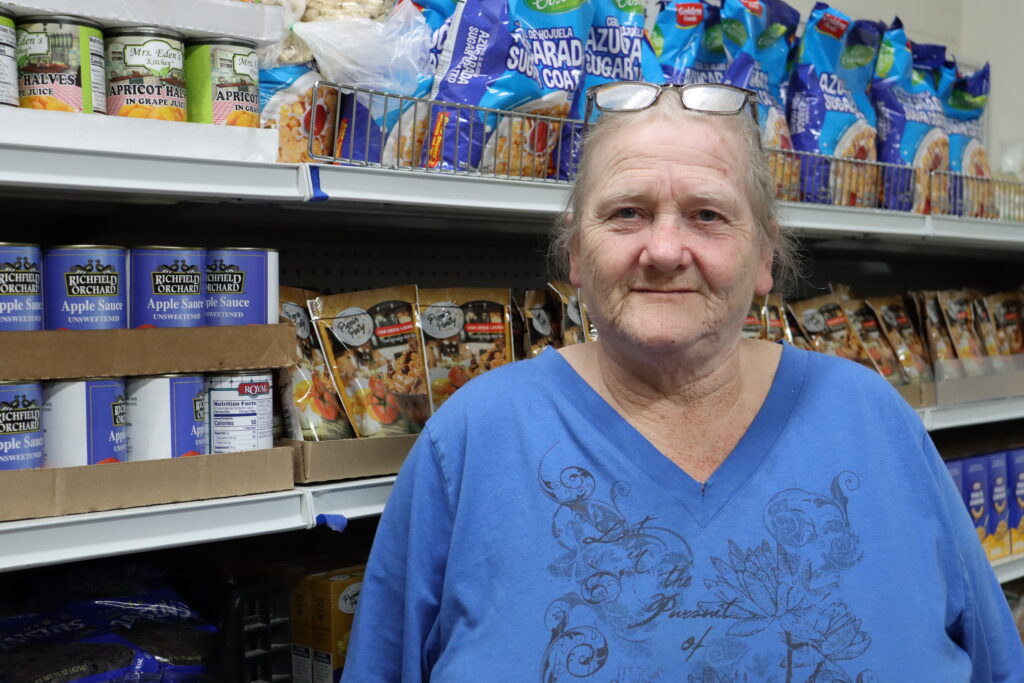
(8, 67)
(99, 77)
(239, 423)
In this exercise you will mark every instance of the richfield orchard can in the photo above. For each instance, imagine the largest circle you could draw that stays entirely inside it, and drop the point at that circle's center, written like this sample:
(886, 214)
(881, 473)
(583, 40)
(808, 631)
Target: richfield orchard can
(166, 417)
(21, 432)
(21, 287)
(241, 286)
(223, 82)
(84, 422)
(60, 64)
(240, 411)
(167, 287)
(84, 288)
(146, 73)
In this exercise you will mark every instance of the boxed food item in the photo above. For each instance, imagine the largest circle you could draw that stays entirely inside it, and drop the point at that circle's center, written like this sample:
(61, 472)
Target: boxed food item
(997, 541)
(1015, 498)
(334, 596)
(372, 343)
(301, 617)
(976, 495)
(466, 332)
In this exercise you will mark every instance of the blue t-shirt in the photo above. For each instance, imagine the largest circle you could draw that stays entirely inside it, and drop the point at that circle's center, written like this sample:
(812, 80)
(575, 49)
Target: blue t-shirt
(535, 535)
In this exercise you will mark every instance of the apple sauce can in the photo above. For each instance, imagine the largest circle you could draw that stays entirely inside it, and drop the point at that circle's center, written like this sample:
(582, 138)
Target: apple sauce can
(167, 287)
(21, 287)
(166, 416)
(84, 288)
(241, 286)
(85, 422)
(21, 432)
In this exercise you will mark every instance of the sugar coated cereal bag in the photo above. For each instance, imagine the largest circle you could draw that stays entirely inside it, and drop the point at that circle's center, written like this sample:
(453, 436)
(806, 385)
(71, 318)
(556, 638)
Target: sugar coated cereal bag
(757, 35)
(858, 185)
(286, 103)
(963, 103)
(687, 39)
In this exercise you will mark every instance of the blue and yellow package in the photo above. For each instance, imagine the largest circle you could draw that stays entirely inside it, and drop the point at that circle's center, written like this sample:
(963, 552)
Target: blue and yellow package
(687, 39)
(976, 493)
(963, 101)
(997, 541)
(757, 35)
(286, 103)
(1015, 479)
(856, 68)
(517, 55)
(910, 120)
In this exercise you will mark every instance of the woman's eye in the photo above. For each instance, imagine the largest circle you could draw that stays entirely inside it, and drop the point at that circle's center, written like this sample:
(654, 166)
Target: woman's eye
(628, 213)
(708, 216)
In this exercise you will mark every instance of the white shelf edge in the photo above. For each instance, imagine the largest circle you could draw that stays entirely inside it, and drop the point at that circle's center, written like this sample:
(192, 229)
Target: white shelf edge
(826, 220)
(981, 233)
(353, 499)
(1009, 568)
(53, 540)
(965, 414)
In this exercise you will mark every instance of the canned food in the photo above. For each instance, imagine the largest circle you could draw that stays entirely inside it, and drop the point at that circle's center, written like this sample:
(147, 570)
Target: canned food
(21, 293)
(60, 61)
(83, 288)
(223, 82)
(241, 286)
(21, 436)
(166, 287)
(146, 73)
(8, 59)
(239, 411)
(84, 422)
(166, 417)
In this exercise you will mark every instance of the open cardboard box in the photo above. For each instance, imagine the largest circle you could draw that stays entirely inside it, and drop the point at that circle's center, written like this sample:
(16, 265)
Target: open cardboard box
(28, 494)
(348, 458)
(58, 354)
(918, 394)
(1003, 376)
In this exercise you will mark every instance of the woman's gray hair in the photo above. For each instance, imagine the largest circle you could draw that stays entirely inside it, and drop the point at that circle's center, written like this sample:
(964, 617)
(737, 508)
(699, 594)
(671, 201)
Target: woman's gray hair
(760, 188)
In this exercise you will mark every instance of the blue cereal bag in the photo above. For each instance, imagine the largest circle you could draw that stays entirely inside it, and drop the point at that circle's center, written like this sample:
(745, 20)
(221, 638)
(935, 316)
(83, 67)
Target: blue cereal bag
(516, 55)
(824, 117)
(910, 121)
(286, 103)
(687, 39)
(758, 35)
(963, 102)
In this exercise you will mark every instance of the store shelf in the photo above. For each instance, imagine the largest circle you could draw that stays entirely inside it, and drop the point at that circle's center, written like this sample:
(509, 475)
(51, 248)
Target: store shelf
(1009, 568)
(262, 23)
(836, 221)
(949, 230)
(981, 412)
(353, 499)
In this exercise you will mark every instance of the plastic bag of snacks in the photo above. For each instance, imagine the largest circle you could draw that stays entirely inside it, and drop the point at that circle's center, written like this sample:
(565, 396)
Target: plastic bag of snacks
(963, 102)
(941, 350)
(753, 324)
(309, 401)
(757, 36)
(898, 327)
(773, 315)
(970, 348)
(687, 39)
(543, 322)
(286, 103)
(866, 325)
(824, 117)
(905, 95)
(371, 341)
(828, 329)
(466, 332)
(1005, 311)
(517, 55)
(575, 326)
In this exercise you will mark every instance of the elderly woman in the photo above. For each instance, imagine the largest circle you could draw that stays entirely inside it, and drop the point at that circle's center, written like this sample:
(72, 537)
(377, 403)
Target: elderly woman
(674, 502)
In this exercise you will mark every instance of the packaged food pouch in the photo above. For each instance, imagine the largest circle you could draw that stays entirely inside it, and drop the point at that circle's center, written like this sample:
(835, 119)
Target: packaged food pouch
(963, 103)
(575, 325)
(824, 117)
(310, 405)
(617, 49)
(867, 327)
(910, 120)
(959, 314)
(829, 330)
(753, 324)
(524, 56)
(286, 104)
(687, 40)
(1005, 310)
(795, 332)
(773, 316)
(899, 329)
(543, 321)
(371, 341)
(520, 343)
(856, 68)
(757, 35)
(466, 332)
(941, 351)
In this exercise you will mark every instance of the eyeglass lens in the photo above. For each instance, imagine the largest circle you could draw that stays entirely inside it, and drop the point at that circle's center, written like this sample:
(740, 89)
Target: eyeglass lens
(713, 98)
(626, 96)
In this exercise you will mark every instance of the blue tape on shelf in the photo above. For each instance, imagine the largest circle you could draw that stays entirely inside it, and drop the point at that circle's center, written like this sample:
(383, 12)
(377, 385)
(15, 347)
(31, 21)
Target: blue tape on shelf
(335, 522)
(314, 176)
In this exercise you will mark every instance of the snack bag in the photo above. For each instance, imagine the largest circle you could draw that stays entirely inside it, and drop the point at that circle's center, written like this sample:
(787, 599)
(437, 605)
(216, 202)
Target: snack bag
(543, 322)
(753, 325)
(910, 121)
(866, 325)
(829, 330)
(286, 103)
(757, 37)
(517, 55)
(310, 404)
(959, 314)
(687, 40)
(575, 325)
(371, 340)
(519, 336)
(899, 329)
(1005, 310)
(856, 68)
(940, 344)
(466, 332)
(963, 103)
(823, 116)
(794, 331)
(774, 319)
(985, 326)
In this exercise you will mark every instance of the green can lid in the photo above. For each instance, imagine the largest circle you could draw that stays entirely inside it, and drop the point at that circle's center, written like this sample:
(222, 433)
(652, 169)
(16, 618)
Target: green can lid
(233, 42)
(153, 31)
(59, 19)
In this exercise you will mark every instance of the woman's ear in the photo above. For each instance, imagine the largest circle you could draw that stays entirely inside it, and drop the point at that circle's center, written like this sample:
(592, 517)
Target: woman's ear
(573, 249)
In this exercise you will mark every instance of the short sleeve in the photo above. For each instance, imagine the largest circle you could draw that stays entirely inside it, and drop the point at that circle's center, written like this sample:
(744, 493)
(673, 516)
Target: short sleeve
(395, 635)
(980, 622)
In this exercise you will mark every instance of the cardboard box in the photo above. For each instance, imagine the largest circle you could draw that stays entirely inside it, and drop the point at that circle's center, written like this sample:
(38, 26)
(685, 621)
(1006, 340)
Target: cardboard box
(918, 394)
(334, 599)
(976, 493)
(27, 494)
(349, 458)
(64, 354)
(1015, 479)
(302, 629)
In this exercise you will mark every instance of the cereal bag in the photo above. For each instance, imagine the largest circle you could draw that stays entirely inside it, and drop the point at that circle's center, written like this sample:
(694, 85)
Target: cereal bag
(687, 39)
(898, 327)
(865, 323)
(910, 120)
(466, 332)
(371, 340)
(286, 103)
(575, 325)
(309, 401)
(543, 321)
(823, 116)
(859, 184)
(959, 315)
(757, 35)
(1005, 310)
(829, 330)
(516, 55)
(963, 103)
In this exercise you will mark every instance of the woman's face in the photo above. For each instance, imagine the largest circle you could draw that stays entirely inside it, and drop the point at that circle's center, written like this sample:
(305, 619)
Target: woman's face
(667, 253)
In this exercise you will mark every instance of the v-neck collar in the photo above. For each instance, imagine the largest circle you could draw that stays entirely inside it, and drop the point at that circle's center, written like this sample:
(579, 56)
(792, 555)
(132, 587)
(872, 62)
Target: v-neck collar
(702, 501)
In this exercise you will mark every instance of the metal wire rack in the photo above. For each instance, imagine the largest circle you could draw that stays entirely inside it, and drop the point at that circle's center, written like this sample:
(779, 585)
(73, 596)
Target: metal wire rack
(363, 127)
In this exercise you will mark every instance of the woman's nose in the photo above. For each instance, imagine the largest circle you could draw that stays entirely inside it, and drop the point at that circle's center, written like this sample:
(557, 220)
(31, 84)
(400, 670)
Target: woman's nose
(667, 247)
